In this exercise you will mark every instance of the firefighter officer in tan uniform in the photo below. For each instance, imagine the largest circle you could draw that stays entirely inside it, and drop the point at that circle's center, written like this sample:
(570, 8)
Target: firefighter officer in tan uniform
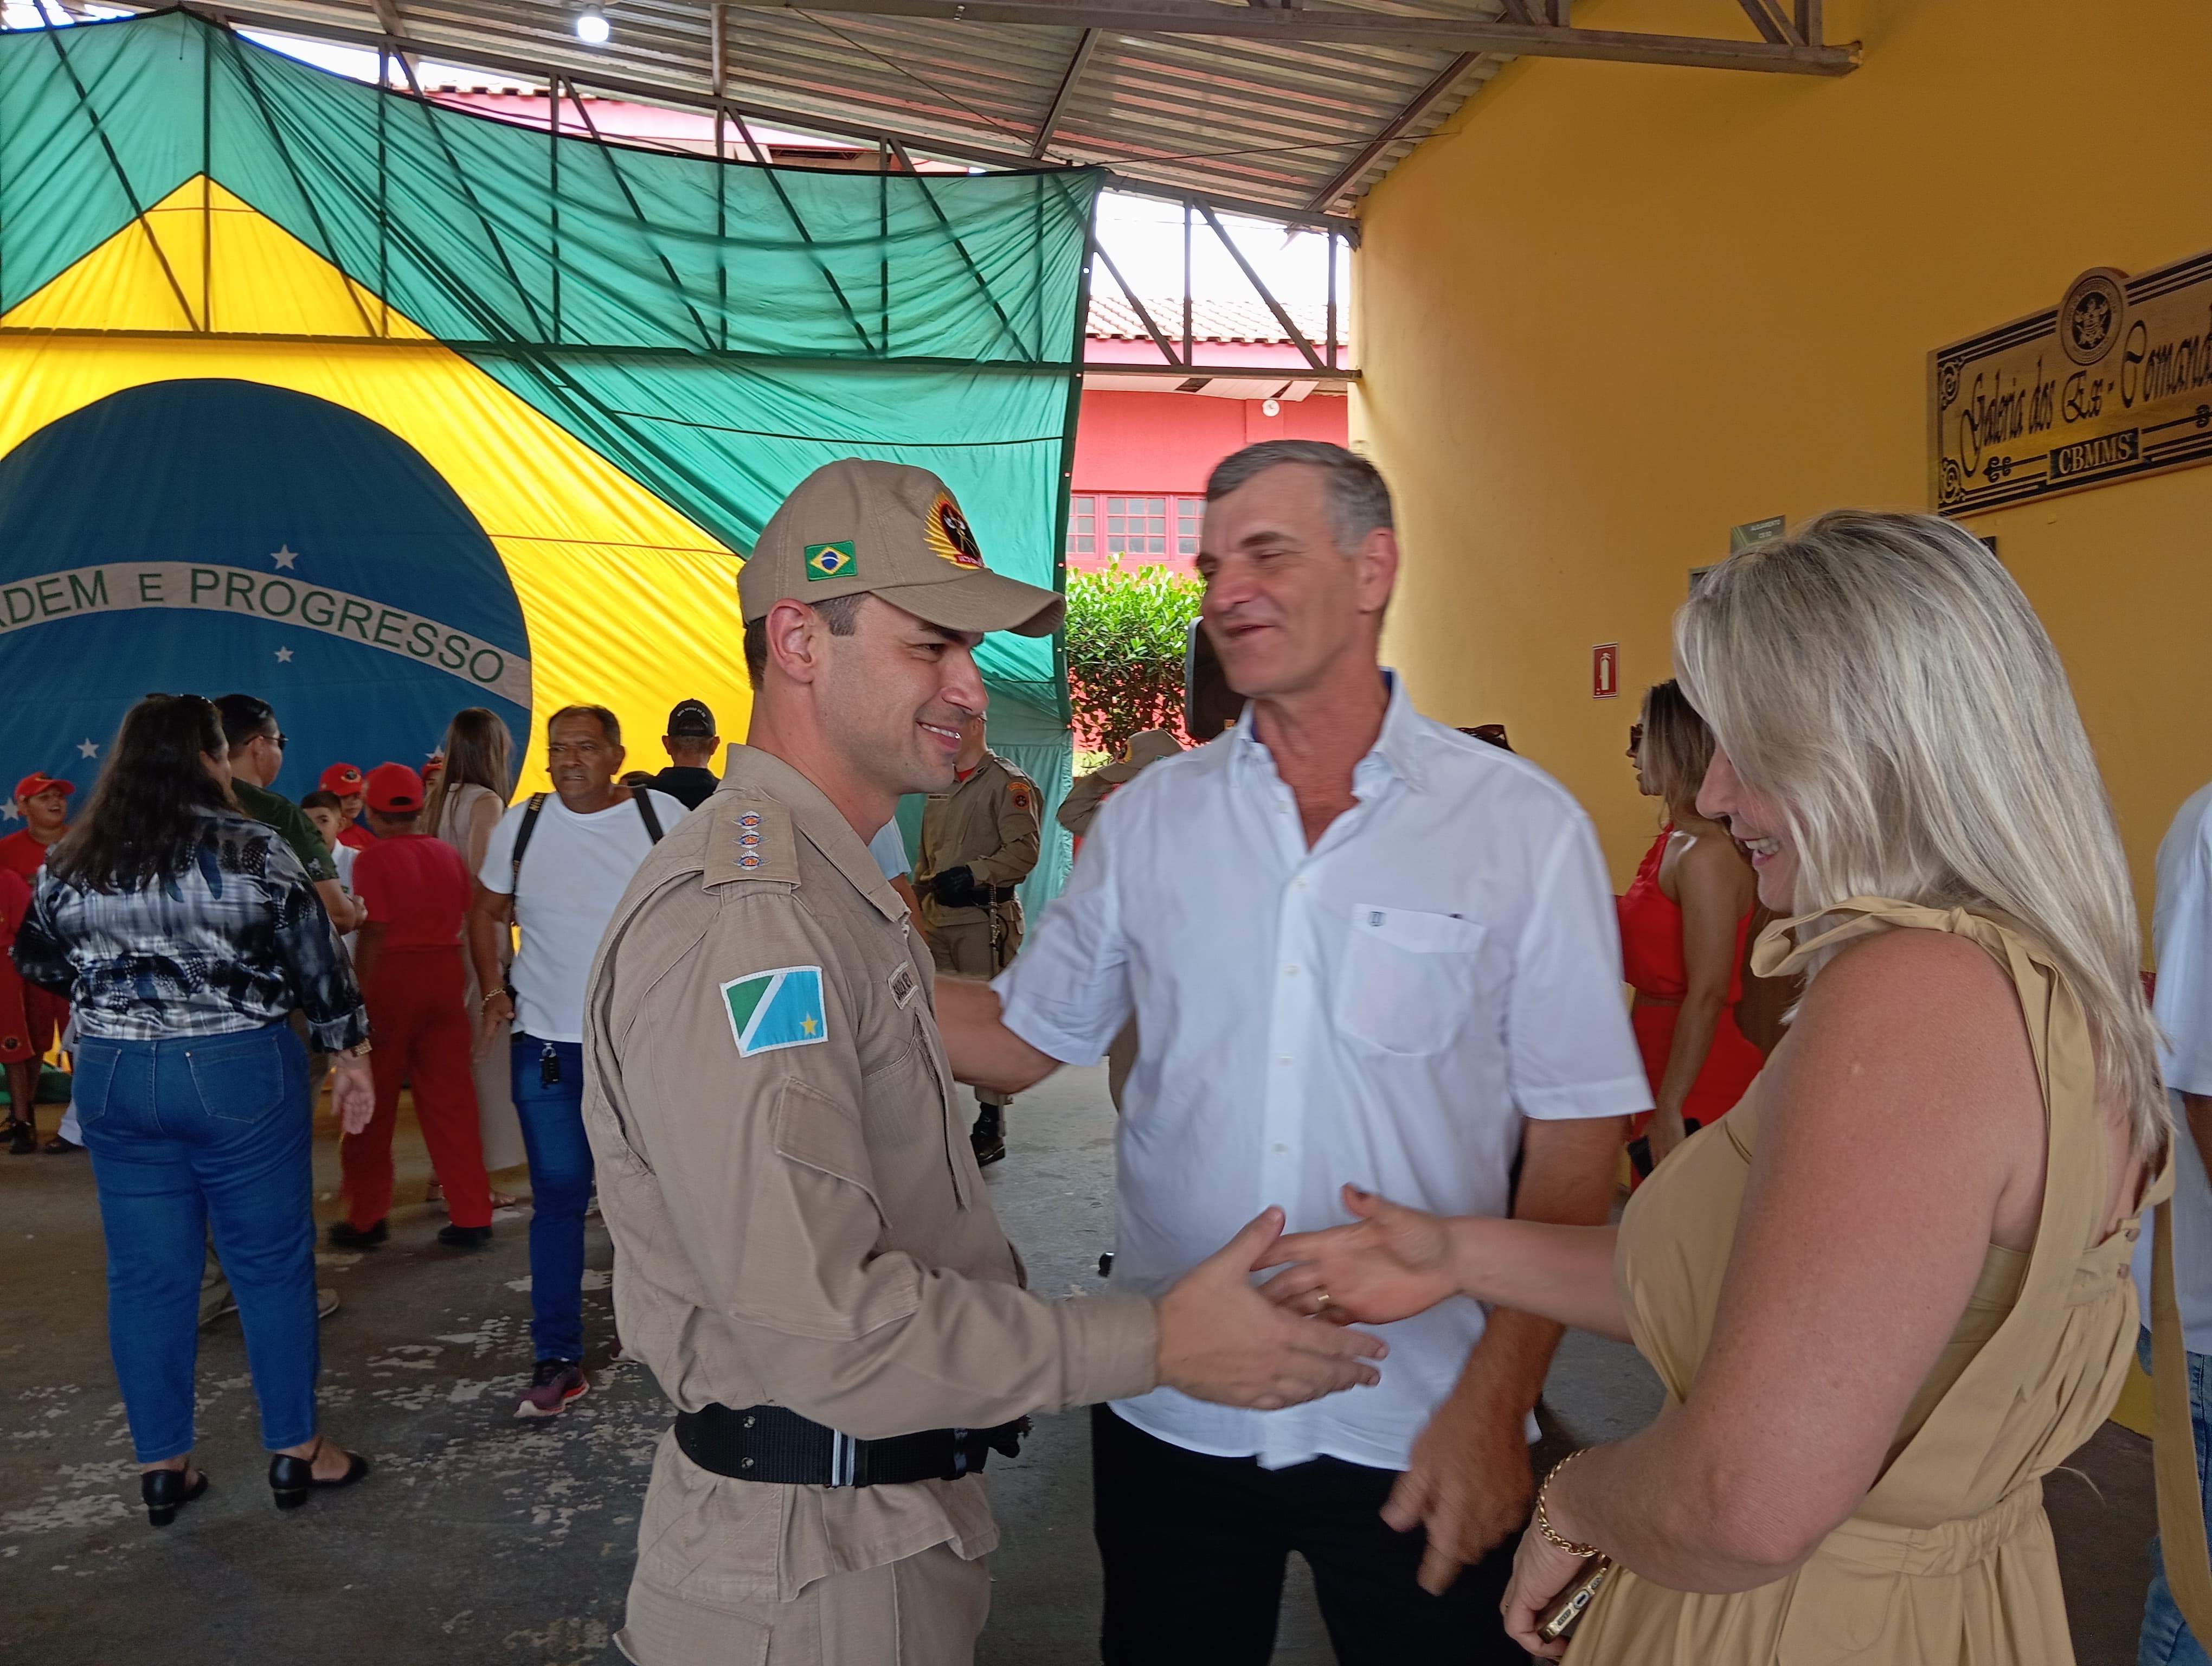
(806, 1255)
(979, 840)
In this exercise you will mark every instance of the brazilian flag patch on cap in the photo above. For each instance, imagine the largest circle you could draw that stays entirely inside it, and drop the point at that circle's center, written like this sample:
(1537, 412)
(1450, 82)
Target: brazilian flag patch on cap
(777, 1009)
(829, 561)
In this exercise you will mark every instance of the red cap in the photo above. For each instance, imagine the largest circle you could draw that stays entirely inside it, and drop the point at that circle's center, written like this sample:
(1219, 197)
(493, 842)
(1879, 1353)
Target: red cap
(393, 788)
(341, 778)
(37, 783)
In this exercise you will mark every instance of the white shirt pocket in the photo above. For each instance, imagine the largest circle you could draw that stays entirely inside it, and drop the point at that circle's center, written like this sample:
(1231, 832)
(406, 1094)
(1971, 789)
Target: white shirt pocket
(1408, 981)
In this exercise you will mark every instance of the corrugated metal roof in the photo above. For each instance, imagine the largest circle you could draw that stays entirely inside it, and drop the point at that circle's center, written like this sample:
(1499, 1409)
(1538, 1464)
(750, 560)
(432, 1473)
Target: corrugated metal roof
(1212, 319)
(1274, 123)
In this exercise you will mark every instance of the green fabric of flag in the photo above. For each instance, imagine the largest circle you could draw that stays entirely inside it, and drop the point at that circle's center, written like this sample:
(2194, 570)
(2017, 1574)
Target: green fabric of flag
(716, 330)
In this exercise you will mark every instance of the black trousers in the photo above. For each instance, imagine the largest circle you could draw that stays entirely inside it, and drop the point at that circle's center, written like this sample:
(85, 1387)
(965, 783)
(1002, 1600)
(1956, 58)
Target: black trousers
(1195, 1547)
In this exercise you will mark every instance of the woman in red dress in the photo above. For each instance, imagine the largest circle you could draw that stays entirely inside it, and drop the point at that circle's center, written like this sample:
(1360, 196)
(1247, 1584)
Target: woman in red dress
(1682, 928)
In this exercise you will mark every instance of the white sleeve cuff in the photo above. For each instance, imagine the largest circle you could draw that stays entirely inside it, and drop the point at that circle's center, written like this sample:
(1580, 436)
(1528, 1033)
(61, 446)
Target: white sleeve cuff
(1622, 1096)
(1026, 1021)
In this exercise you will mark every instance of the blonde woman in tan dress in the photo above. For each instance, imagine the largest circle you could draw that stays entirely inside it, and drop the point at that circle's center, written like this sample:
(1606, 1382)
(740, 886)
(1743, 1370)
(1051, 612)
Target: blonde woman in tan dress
(1889, 1291)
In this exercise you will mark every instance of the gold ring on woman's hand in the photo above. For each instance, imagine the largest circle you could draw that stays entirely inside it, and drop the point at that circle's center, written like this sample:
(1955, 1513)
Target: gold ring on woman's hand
(1322, 1300)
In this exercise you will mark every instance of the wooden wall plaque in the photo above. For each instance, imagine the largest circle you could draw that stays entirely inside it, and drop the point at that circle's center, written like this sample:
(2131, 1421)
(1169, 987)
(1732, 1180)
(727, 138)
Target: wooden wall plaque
(2114, 381)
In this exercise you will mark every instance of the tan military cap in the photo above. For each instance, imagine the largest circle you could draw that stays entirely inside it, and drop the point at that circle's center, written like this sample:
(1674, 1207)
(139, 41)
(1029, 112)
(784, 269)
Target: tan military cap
(854, 528)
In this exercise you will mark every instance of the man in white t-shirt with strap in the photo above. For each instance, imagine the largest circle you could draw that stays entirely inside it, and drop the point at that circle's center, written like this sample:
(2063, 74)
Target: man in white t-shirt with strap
(1359, 947)
(2181, 943)
(555, 865)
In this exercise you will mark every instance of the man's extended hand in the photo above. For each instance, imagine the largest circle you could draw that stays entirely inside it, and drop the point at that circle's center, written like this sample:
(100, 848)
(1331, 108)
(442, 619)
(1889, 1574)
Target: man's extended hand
(1470, 1483)
(1221, 1339)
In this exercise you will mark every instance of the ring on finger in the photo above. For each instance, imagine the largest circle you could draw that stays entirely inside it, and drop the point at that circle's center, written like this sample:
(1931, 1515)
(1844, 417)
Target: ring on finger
(1322, 1301)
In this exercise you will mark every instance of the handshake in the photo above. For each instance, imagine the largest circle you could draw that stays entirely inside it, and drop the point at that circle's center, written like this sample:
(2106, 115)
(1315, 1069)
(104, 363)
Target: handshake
(1283, 1343)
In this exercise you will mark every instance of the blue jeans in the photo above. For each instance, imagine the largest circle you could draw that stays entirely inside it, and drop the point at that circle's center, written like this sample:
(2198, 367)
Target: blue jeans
(552, 1115)
(186, 1135)
(2167, 1639)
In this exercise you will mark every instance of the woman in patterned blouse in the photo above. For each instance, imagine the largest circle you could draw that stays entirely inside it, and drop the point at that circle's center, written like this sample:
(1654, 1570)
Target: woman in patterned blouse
(185, 934)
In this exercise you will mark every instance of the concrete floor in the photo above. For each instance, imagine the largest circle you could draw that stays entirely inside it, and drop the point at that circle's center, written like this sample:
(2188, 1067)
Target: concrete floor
(483, 1539)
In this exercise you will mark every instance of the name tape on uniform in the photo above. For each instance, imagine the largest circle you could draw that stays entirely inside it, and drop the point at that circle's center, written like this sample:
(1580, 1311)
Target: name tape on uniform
(904, 984)
(776, 1009)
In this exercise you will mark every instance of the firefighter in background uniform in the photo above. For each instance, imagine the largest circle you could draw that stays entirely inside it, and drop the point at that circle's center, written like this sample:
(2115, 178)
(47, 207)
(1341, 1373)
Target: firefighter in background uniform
(1088, 796)
(979, 841)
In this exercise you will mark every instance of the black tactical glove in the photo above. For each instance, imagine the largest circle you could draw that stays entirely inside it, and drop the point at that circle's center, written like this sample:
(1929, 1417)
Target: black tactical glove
(956, 888)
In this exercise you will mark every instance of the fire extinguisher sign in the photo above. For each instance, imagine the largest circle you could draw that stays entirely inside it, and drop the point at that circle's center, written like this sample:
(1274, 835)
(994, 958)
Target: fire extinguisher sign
(1605, 670)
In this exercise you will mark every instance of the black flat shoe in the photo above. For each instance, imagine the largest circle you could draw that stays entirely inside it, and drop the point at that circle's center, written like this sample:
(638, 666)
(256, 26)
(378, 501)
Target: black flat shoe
(464, 1237)
(344, 1235)
(291, 1479)
(22, 1138)
(58, 1146)
(166, 1493)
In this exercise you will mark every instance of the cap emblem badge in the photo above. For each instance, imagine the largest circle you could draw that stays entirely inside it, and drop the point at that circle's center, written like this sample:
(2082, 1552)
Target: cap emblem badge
(829, 561)
(945, 530)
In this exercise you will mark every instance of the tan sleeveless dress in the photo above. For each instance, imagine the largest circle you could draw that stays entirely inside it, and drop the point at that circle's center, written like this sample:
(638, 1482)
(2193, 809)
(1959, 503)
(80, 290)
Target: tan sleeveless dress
(1949, 1559)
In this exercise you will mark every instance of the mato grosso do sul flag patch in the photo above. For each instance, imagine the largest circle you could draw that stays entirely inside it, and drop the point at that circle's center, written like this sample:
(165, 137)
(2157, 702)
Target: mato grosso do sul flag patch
(776, 1009)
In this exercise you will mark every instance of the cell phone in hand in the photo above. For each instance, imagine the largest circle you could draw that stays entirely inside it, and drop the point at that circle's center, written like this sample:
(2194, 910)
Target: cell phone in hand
(1639, 1148)
(1572, 1603)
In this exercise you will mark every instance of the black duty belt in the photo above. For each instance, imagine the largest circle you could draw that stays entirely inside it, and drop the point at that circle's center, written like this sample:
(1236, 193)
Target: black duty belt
(985, 895)
(776, 1445)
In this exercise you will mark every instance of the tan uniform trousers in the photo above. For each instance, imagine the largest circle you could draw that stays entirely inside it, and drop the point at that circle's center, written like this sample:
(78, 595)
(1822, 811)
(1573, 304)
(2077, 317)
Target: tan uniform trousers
(926, 1610)
(706, 1590)
(964, 950)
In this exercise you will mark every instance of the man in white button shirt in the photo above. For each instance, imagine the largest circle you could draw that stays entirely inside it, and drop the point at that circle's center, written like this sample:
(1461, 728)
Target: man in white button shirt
(1361, 946)
(2181, 943)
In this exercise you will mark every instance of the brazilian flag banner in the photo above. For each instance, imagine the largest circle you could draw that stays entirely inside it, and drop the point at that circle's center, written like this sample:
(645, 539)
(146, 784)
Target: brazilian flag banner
(379, 409)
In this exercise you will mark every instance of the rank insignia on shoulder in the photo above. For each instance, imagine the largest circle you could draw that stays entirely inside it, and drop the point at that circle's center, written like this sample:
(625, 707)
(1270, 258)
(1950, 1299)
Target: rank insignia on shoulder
(776, 1009)
(904, 985)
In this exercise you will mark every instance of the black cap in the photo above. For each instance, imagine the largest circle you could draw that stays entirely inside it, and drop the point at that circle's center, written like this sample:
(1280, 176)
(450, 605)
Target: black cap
(692, 717)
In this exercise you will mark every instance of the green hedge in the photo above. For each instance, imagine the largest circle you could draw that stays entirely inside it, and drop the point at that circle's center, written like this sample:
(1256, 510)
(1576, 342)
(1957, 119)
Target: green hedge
(1125, 630)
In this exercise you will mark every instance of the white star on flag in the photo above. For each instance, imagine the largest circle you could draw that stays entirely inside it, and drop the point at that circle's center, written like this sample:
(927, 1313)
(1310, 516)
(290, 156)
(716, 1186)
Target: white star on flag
(283, 656)
(10, 812)
(284, 556)
(87, 748)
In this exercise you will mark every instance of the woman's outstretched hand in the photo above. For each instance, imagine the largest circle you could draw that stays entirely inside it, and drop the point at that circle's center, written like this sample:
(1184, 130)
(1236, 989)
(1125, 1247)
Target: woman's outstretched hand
(1391, 1263)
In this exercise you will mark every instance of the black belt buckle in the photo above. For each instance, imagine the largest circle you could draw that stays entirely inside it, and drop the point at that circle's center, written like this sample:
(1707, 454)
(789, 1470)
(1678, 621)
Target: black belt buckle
(972, 1448)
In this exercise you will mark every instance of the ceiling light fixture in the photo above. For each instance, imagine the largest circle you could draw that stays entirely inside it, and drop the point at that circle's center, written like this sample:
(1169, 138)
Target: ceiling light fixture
(592, 28)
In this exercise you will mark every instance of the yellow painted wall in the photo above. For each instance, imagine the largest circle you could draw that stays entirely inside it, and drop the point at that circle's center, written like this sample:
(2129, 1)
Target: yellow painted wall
(1613, 310)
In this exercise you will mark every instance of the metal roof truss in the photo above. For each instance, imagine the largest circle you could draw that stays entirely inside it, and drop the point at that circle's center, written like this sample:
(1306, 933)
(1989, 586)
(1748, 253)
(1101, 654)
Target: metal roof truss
(1285, 110)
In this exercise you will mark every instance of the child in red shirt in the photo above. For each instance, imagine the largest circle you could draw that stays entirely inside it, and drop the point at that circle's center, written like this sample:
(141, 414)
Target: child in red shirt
(407, 959)
(344, 783)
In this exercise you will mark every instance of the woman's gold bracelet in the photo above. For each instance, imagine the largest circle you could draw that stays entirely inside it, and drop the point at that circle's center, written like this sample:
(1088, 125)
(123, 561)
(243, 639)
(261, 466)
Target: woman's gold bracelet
(1543, 1516)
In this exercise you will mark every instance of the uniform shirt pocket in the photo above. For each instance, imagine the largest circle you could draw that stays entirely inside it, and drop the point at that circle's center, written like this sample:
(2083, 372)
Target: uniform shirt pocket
(1408, 979)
